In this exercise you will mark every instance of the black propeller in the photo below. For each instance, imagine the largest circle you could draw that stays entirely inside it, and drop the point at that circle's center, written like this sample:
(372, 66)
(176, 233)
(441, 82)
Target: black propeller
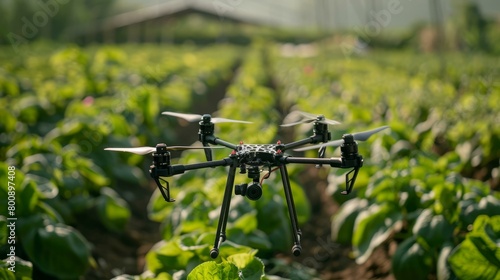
(360, 136)
(206, 118)
(147, 150)
(306, 118)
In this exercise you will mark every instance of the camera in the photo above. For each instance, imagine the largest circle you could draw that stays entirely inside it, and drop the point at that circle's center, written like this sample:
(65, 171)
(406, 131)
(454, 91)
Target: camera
(252, 191)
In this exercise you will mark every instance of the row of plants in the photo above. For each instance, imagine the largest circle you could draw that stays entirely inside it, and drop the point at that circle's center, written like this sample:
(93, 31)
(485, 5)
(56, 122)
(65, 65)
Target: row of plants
(253, 236)
(66, 106)
(414, 188)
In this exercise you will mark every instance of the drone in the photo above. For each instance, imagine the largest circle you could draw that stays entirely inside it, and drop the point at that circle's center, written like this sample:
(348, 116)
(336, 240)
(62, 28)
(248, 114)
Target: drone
(253, 159)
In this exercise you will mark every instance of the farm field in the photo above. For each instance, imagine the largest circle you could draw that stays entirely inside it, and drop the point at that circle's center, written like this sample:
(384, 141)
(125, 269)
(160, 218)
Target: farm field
(426, 204)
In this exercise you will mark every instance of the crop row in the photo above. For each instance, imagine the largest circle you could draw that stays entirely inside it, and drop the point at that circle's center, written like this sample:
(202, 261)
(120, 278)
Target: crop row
(186, 225)
(413, 190)
(65, 106)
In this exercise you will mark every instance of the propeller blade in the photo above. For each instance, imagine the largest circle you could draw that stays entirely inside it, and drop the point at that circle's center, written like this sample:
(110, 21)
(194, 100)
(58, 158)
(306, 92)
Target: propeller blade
(196, 117)
(306, 118)
(360, 136)
(187, 117)
(363, 136)
(327, 121)
(148, 150)
(137, 151)
(313, 117)
(296, 123)
(222, 120)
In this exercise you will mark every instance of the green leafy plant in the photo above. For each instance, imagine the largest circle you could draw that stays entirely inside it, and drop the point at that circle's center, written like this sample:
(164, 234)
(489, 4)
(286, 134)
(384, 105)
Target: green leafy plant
(426, 213)
(478, 256)
(66, 105)
(22, 270)
(57, 249)
(237, 266)
(413, 190)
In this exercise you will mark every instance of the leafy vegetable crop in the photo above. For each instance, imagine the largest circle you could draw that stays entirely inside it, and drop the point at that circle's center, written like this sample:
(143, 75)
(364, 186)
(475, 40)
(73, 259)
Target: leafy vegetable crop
(429, 185)
(66, 106)
(414, 190)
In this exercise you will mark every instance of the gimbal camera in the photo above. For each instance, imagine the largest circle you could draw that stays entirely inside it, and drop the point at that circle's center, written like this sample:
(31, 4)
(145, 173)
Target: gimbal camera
(251, 159)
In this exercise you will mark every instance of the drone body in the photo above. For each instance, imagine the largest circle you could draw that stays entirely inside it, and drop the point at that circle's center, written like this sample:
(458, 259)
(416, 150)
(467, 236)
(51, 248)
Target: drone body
(252, 159)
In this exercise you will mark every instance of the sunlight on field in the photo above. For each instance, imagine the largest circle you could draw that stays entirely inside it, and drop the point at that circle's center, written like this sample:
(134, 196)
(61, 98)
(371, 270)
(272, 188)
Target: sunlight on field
(425, 203)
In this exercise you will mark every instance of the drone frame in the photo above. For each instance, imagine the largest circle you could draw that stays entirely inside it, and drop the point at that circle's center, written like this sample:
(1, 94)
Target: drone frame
(253, 156)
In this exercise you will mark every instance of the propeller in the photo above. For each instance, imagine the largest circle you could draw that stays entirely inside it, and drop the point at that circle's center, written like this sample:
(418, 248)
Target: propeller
(196, 117)
(307, 118)
(360, 136)
(147, 150)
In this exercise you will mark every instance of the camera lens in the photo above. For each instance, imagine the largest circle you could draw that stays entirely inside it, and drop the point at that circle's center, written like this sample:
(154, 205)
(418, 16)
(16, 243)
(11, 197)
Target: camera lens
(240, 189)
(254, 191)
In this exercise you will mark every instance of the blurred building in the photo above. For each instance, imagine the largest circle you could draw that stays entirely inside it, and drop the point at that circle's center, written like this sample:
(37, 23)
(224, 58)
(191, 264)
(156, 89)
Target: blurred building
(149, 20)
(329, 14)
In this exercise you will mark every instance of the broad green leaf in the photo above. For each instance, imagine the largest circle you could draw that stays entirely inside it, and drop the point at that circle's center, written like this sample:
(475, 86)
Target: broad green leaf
(214, 271)
(251, 267)
(259, 240)
(478, 256)
(191, 242)
(92, 173)
(256, 239)
(446, 200)
(112, 209)
(163, 276)
(228, 248)
(488, 205)
(54, 248)
(276, 226)
(411, 261)
(80, 202)
(167, 256)
(158, 208)
(434, 229)
(45, 209)
(130, 174)
(247, 223)
(59, 208)
(410, 199)
(20, 269)
(191, 212)
(26, 198)
(343, 221)
(5, 273)
(372, 227)
(302, 206)
(385, 190)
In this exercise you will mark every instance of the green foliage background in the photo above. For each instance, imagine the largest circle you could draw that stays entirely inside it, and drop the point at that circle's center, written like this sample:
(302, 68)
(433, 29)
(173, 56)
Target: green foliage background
(429, 185)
